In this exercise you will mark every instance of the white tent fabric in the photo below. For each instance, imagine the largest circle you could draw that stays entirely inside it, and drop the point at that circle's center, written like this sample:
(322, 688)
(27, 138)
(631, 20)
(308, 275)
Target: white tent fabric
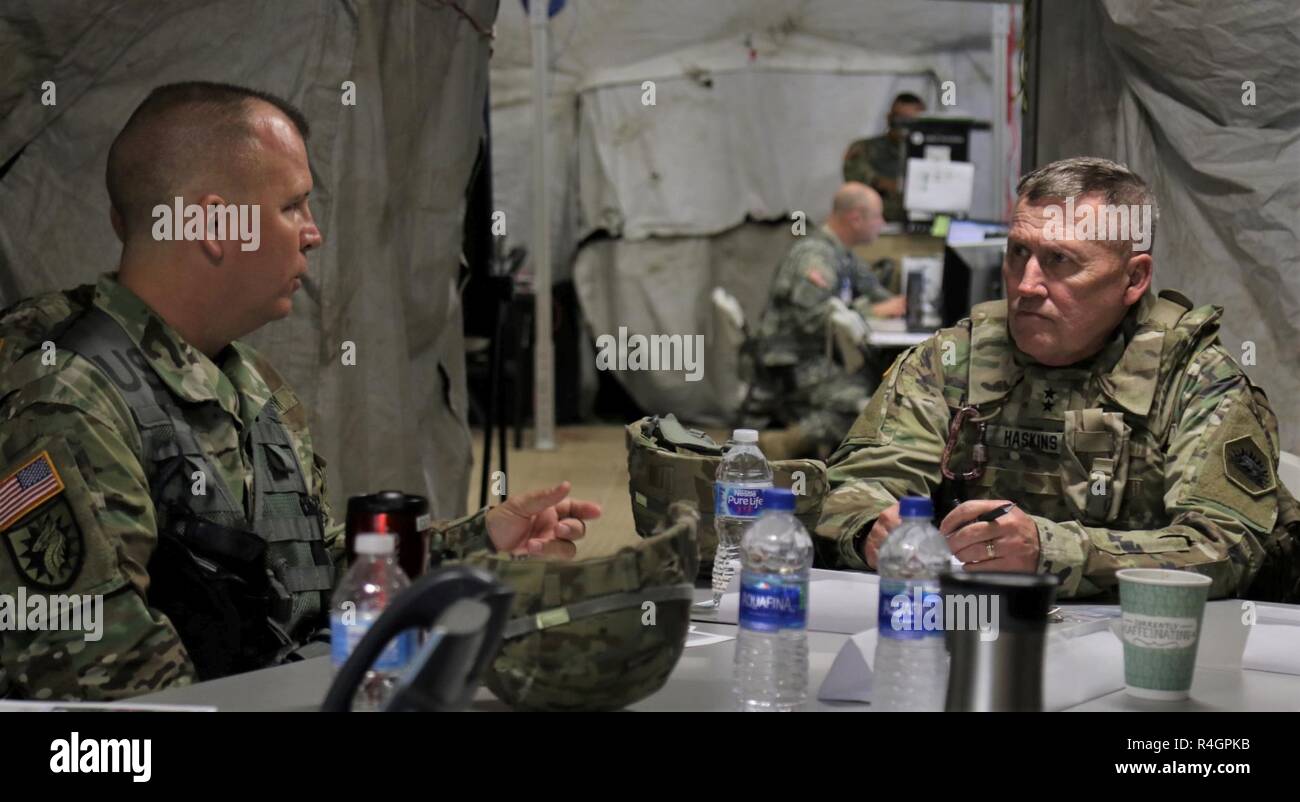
(755, 103)
(791, 86)
(1160, 85)
(390, 174)
(663, 285)
(706, 157)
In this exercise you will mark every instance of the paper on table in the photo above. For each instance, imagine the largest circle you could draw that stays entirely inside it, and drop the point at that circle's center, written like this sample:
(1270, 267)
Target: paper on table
(1273, 647)
(849, 679)
(1223, 636)
(1081, 665)
(1082, 662)
(893, 325)
(696, 638)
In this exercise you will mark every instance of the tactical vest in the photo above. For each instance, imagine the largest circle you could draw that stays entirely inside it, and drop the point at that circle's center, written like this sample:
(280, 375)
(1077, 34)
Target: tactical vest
(242, 590)
(1070, 460)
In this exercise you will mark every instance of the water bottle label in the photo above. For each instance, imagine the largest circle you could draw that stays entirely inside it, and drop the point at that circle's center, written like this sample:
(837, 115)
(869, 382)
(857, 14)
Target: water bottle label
(768, 604)
(910, 609)
(732, 501)
(344, 638)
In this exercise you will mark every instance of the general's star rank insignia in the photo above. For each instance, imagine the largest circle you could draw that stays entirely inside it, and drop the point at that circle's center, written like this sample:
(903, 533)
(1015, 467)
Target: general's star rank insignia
(1049, 399)
(1247, 466)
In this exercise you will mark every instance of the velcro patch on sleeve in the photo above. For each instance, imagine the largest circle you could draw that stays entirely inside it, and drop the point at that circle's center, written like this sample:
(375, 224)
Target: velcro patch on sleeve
(1247, 466)
(28, 487)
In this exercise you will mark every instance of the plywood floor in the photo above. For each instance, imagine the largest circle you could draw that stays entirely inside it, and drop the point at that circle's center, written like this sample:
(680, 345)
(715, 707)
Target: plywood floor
(594, 459)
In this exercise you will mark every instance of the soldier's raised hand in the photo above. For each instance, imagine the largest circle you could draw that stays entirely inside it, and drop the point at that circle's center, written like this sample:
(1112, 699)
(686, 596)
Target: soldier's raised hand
(541, 524)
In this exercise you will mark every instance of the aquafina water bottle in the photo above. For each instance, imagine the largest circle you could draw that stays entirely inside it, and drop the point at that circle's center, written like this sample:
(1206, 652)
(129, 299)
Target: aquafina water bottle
(910, 671)
(772, 643)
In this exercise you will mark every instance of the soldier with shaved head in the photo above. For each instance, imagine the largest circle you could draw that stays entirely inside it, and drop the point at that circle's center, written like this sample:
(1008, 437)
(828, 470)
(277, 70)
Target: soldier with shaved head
(151, 460)
(811, 395)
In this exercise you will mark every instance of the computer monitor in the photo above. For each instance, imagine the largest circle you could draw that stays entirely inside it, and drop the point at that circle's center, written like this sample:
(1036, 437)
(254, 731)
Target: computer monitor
(942, 138)
(974, 232)
(972, 274)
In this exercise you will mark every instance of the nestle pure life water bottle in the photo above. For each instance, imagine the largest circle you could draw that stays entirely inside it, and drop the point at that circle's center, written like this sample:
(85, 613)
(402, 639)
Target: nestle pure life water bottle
(738, 499)
(772, 643)
(364, 592)
(911, 665)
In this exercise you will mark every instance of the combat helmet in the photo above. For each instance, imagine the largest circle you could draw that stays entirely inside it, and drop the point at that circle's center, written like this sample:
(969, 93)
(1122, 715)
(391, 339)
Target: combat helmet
(597, 634)
(666, 463)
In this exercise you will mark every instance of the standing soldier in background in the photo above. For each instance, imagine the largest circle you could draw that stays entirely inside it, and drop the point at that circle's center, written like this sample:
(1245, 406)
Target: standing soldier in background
(1113, 420)
(819, 287)
(875, 161)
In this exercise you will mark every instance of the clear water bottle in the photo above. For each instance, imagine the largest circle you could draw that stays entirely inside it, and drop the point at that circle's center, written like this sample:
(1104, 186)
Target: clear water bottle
(365, 592)
(772, 643)
(911, 665)
(738, 488)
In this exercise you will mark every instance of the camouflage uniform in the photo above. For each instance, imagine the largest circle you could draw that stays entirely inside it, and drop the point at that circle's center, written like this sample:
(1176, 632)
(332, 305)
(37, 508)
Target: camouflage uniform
(798, 381)
(869, 159)
(1157, 452)
(96, 529)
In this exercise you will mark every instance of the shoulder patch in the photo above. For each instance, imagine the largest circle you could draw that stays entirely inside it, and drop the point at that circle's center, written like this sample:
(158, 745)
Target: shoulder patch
(1247, 466)
(817, 278)
(28, 487)
(47, 549)
(284, 398)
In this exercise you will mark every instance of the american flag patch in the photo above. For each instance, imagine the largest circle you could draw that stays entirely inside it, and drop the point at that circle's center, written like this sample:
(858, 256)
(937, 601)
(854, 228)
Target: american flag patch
(27, 488)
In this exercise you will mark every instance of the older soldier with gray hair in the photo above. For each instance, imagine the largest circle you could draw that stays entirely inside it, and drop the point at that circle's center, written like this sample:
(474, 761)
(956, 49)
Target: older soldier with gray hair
(1113, 420)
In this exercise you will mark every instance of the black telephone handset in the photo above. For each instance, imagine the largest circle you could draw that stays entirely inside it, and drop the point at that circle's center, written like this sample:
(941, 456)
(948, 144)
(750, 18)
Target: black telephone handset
(466, 610)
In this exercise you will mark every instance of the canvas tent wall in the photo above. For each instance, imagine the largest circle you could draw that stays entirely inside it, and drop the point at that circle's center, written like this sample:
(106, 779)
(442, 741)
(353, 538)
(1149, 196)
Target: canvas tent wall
(755, 103)
(1202, 101)
(390, 176)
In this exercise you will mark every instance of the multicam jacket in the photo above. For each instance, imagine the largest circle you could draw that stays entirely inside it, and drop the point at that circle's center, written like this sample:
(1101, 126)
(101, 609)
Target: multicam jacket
(1157, 452)
(87, 520)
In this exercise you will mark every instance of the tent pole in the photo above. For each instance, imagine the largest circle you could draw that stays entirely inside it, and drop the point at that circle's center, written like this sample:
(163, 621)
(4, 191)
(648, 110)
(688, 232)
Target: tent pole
(544, 348)
(1033, 28)
(1001, 19)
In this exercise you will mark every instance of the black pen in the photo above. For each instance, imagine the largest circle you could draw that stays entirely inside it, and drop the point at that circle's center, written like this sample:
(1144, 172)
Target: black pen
(987, 517)
(993, 515)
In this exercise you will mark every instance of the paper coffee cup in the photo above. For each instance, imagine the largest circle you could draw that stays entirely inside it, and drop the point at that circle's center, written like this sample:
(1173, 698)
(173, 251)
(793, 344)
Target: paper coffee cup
(1161, 629)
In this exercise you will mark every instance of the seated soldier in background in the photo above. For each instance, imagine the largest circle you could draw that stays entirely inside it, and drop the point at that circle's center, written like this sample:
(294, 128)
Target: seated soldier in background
(875, 161)
(820, 290)
(1114, 420)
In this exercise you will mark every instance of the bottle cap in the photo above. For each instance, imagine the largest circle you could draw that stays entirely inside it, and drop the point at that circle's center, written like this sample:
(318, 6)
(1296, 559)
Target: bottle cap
(915, 507)
(745, 435)
(374, 543)
(778, 499)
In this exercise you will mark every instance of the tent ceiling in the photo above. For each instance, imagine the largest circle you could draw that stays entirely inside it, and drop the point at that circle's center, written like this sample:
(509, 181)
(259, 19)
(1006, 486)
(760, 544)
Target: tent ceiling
(590, 36)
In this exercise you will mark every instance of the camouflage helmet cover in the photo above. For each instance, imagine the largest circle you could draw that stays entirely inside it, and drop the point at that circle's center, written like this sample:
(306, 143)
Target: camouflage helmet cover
(597, 634)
